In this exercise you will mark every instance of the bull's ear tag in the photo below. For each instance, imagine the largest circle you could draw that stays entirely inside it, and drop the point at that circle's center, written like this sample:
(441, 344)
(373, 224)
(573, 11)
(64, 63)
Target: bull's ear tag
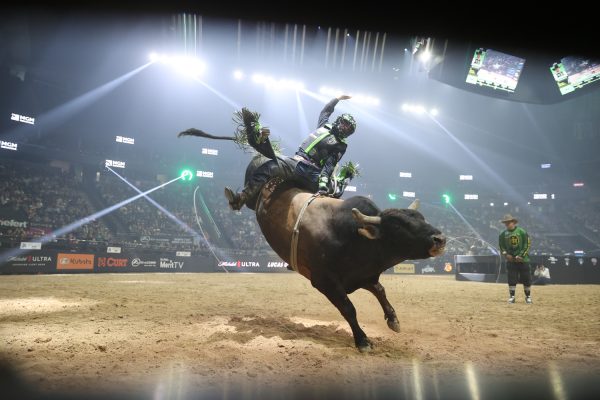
(369, 231)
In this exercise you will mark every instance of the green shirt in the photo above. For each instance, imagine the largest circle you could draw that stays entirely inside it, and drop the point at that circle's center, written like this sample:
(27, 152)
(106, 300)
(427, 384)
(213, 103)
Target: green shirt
(515, 243)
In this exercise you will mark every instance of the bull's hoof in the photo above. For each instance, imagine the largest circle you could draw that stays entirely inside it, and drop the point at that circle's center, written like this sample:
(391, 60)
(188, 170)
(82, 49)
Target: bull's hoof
(394, 325)
(365, 346)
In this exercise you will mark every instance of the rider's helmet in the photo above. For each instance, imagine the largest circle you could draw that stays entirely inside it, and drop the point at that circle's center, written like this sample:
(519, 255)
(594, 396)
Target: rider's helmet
(344, 126)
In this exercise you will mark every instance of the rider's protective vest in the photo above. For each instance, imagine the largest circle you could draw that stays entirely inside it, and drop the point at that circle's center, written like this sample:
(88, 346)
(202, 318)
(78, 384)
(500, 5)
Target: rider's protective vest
(321, 145)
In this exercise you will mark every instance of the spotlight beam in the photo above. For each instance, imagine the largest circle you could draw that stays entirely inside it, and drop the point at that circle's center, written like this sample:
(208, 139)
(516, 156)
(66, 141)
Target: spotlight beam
(71, 227)
(480, 162)
(490, 135)
(302, 115)
(219, 94)
(495, 251)
(181, 224)
(53, 118)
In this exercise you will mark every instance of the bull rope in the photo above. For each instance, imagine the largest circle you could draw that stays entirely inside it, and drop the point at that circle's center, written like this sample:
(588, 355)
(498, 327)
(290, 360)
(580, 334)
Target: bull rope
(296, 233)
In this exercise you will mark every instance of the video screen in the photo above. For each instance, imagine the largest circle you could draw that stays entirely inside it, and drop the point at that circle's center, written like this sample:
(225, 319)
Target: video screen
(495, 69)
(573, 73)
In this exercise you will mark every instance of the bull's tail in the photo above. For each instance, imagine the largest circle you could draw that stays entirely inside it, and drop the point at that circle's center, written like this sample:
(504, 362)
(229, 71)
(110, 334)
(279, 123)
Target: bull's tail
(248, 134)
(199, 133)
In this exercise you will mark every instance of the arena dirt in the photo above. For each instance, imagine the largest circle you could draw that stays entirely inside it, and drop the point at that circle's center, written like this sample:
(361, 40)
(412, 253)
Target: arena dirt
(160, 333)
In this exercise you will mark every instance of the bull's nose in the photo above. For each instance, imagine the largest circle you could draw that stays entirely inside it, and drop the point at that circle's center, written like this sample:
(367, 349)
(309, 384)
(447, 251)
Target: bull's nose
(439, 240)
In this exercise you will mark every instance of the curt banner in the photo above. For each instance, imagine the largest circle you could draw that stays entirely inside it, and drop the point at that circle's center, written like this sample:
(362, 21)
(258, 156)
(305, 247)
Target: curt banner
(68, 261)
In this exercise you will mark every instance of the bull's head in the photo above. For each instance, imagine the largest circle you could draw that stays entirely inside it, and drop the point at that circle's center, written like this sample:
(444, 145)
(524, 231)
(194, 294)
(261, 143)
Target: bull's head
(403, 227)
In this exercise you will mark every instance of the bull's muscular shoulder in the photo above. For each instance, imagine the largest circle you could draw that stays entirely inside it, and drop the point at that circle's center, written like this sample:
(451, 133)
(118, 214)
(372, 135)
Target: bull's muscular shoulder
(343, 219)
(363, 204)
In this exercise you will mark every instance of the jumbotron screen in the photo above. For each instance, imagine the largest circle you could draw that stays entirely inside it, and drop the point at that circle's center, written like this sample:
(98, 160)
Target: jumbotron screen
(573, 73)
(495, 70)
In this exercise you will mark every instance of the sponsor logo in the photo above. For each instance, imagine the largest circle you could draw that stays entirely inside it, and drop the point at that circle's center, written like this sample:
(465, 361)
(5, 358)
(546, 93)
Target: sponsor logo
(183, 254)
(552, 260)
(22, 118)
(404, 268)
(277, 264)
(112, 262)
(39, 258)
(136, 262)
(241, 264)
(180, 240)
(31, 245)
(210, 152)
(30, 261)
(74, 261)
(123, 139)
(113, 249)
(227, 264)
(8, 145)
(204, 174)
(594, 261)
(427, 269)
(168, 263)
(248, 264)
(13, 224)
(114, 163)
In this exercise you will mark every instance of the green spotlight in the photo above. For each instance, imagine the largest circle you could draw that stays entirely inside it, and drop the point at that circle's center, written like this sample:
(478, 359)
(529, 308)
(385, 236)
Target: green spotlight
(447, 198)
(392, 196)
(186, 175)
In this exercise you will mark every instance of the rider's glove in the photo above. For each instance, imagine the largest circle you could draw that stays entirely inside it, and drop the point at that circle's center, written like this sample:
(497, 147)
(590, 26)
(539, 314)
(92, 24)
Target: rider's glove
(323, 188)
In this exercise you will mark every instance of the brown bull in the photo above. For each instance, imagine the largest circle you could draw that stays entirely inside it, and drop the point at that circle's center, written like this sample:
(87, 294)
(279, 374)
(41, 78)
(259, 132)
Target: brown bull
(340, 249)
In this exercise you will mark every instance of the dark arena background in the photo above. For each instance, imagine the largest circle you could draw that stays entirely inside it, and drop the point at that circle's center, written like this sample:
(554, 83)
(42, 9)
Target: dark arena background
(124, 274)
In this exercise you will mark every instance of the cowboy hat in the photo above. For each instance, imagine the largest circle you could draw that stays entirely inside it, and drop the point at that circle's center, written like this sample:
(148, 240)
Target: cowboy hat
(508, 218)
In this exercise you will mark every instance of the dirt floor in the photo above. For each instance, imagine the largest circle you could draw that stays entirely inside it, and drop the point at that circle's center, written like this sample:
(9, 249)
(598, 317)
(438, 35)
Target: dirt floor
(177, 335)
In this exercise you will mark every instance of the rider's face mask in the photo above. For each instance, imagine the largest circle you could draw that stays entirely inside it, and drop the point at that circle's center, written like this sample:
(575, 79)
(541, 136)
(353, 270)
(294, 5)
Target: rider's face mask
(345, 128)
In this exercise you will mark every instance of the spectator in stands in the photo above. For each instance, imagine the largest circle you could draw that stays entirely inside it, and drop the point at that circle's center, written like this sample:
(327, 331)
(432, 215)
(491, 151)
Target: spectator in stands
(514, 245)
(542, 275)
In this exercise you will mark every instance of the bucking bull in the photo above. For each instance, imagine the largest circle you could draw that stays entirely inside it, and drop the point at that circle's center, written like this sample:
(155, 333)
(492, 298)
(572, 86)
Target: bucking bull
(339, 245)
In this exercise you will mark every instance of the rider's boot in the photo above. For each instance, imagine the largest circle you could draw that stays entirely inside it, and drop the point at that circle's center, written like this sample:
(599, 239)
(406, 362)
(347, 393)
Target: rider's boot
(237, 200)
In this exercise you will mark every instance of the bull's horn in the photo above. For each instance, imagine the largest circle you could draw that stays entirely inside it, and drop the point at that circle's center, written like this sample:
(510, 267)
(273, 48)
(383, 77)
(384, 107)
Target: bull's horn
(415, 204)
(365, 219)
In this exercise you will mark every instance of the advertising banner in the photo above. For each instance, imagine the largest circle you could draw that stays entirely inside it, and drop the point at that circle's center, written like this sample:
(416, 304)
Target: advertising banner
(73, 261)
(252, 264)
(166, 239)
(404, 268)
(111, 262)
(31, 245)
(149, 261)
(564, 269)
(39, 262)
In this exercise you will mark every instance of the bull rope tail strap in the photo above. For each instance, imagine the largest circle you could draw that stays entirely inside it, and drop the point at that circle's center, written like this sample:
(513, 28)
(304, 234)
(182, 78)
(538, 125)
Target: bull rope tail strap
(296, 233)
